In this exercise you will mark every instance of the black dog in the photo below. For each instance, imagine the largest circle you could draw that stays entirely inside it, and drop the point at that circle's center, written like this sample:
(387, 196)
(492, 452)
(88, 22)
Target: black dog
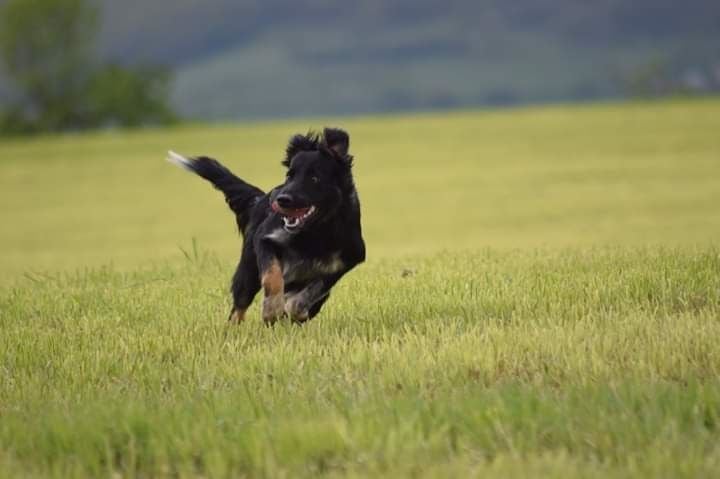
(300, 238)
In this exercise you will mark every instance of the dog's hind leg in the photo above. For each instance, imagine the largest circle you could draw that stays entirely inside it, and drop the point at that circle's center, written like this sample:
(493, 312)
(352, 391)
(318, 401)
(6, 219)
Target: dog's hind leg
(245, 285)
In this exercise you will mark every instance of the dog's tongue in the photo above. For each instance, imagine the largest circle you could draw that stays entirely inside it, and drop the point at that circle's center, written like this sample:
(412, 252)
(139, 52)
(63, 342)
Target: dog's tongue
(289, 212)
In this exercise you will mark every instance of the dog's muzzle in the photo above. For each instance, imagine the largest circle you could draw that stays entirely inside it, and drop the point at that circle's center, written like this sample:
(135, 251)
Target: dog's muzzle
(293, 218)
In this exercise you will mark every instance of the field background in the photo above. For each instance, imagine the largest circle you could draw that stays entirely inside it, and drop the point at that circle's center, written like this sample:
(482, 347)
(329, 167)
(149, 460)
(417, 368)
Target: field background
(546, 177)
(542, 297)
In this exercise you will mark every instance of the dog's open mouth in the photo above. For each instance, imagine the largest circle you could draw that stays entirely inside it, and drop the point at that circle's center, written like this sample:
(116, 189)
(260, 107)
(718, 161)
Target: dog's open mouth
(294, 218)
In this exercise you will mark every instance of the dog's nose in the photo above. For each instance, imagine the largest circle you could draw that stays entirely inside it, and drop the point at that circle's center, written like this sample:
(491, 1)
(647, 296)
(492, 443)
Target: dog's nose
(284, 200)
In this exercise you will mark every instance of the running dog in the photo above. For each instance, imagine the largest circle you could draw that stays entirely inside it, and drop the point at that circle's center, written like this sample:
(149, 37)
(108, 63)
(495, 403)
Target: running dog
(300, 238)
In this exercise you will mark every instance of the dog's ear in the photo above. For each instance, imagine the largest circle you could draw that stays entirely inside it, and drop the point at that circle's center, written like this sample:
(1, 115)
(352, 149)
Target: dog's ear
(337, 140)
(298, 143)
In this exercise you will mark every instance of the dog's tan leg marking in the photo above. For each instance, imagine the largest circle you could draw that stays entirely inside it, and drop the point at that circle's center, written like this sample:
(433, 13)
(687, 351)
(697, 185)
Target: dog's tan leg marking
(237, 316)
(273, 286)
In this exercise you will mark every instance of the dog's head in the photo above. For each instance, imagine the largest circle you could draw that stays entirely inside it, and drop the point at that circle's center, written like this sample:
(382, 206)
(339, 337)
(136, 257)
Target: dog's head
(318, 179)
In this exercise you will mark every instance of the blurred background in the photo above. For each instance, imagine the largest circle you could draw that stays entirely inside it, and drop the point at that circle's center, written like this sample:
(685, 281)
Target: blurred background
(157, 61)
(421, 86)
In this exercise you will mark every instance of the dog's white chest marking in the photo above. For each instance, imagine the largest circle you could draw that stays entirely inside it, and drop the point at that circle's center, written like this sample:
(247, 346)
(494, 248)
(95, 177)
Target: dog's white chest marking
(278, 235)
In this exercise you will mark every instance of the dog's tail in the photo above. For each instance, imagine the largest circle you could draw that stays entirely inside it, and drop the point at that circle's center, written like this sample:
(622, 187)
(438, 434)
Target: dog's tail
(240, 196)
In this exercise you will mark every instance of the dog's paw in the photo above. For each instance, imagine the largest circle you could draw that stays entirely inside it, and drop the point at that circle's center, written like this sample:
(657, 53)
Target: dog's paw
(297, 308)
(237, 316)
(273, 308)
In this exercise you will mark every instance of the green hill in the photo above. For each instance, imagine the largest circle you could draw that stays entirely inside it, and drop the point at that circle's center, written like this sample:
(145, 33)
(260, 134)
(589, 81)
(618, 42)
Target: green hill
(252, 59)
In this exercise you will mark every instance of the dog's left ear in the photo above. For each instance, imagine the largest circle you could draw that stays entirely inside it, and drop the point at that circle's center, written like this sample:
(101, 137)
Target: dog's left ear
(337, 140)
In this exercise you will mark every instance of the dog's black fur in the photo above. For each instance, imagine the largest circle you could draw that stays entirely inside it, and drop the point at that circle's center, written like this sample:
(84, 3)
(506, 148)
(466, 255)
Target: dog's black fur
(301, 237)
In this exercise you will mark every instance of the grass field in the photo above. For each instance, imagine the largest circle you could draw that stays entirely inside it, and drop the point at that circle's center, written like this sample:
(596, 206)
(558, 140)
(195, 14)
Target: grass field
(542, 298)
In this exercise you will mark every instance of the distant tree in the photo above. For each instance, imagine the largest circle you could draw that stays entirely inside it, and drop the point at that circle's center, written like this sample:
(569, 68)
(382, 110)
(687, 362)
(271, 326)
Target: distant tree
(46, 47)
(130, 97)
(650, 79)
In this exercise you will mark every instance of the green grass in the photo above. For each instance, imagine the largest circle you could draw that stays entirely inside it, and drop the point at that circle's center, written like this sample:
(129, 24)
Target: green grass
(542, 298)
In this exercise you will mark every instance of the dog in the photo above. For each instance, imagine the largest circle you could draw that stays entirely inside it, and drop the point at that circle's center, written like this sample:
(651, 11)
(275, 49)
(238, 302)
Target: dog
(300, 238)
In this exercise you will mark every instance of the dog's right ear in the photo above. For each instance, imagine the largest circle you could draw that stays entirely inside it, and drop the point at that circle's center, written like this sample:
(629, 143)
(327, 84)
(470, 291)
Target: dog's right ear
(337, 140)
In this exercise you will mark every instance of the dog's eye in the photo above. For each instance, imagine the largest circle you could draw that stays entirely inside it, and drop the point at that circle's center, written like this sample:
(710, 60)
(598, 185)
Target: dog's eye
(315, 179)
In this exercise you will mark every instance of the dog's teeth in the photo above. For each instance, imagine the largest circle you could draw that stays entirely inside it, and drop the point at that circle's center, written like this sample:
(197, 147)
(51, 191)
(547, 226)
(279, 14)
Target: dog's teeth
(295, 221)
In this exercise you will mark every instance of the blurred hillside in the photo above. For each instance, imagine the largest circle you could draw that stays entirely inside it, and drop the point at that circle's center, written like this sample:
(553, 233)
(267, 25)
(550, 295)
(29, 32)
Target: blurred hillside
(253, 58)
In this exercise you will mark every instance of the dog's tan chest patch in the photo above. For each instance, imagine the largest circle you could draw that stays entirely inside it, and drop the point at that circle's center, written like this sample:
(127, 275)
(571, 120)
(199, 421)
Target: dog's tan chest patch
(308, 269)
(330, 265)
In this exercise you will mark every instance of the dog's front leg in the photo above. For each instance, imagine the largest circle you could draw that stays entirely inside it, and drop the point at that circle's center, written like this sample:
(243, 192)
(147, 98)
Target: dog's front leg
(306, 303)
(271, 279)
(297, 305)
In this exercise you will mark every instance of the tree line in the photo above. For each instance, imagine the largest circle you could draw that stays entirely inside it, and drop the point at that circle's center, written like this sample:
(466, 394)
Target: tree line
(56, 80)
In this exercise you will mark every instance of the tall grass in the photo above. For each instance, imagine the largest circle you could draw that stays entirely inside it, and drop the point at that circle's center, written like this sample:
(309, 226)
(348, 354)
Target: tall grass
(576, 344)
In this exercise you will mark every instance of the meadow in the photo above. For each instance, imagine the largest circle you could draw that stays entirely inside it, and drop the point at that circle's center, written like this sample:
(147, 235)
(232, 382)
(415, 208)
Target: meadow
(541, 298)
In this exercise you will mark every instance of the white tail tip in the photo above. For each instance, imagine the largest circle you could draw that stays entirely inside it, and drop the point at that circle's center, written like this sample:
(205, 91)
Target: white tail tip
(178, 160)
